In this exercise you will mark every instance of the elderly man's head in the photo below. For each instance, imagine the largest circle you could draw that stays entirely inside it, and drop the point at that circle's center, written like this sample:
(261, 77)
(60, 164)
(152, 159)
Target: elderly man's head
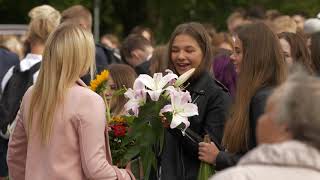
(292, 112)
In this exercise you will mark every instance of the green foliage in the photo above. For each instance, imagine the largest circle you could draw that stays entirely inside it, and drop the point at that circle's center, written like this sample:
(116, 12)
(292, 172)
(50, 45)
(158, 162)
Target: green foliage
(147, 133)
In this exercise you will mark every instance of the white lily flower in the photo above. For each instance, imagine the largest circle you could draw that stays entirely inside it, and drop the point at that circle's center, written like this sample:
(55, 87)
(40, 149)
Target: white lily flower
(156, 84)
(184, 77)
(181, 109)
(168, 71)
(137, 97)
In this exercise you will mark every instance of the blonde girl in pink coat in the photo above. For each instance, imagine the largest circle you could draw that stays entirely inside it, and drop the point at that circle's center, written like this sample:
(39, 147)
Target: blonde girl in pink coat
(59, 131)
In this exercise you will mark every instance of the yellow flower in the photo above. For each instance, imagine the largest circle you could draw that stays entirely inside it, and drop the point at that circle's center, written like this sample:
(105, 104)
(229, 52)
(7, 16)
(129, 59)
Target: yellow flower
(118, 119)
(100, 79)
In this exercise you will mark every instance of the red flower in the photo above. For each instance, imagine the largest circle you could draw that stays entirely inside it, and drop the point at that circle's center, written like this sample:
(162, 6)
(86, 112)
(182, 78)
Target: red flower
(119, 130)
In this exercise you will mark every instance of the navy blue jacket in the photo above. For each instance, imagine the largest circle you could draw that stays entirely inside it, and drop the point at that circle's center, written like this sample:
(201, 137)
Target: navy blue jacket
(7, 60)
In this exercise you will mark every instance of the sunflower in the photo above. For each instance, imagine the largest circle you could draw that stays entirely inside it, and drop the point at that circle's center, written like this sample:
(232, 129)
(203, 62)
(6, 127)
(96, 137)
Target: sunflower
(99, 80)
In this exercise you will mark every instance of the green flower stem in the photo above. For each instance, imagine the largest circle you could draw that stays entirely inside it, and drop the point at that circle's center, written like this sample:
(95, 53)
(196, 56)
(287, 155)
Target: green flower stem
(206, 170)
(107, 107)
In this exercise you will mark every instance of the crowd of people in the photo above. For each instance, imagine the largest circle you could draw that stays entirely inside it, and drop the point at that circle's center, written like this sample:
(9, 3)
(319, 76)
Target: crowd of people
(256, 88)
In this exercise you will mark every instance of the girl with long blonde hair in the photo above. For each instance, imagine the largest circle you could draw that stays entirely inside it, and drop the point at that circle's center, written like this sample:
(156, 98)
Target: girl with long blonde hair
(21, 75)
(60, 126)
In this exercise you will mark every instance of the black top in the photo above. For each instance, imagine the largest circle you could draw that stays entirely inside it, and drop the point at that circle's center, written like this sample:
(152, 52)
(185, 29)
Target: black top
(179, 159)
(143, 68)
(257, 105)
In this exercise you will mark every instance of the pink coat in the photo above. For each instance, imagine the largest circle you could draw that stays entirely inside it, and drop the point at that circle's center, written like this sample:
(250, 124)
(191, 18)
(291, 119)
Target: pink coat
(290, 160)
(77, 148)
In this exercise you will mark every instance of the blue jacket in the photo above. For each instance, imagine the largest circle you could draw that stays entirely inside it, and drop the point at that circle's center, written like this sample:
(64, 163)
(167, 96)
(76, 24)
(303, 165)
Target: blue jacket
(7, 60)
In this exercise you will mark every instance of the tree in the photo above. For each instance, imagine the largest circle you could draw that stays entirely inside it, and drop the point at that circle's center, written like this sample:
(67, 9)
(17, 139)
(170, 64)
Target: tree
(120, 16)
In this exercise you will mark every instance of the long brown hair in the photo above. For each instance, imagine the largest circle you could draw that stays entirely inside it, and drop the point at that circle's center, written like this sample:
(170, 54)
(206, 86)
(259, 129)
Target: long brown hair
(299, 50)
(158, 61)
(123, 76)
(262, 65)
(199, 33)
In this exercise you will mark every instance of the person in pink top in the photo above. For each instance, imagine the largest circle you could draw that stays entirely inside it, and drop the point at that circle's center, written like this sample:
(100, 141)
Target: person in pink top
(59, 132)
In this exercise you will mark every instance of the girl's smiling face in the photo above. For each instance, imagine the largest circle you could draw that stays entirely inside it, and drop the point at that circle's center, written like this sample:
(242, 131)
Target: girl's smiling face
(185, 53)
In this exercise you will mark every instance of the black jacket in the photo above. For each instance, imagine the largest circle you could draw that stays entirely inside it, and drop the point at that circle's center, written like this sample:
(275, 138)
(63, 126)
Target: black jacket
(143, 68)
(104, 57)
(179, 159)
(257, 104)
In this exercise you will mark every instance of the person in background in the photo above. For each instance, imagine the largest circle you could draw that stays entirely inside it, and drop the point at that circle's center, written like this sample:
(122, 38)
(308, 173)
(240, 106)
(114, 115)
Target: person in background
(121, 76)
(111, 41)
(288, 135)
(190, 47)
(210, 29)
(59, 131)
(79, 14)
(43, 11)
(222, 40)
(224, 72)
(8, 59)
(260, 66)
(39, 11)
(222, 67)
(271, 14)
(300, 18)
(158, 61)
(255, 13)
(145, 32)
(137, 51)
(284, 24)
(234, 20)
(12, 43)
(19, 77)
(295, 50)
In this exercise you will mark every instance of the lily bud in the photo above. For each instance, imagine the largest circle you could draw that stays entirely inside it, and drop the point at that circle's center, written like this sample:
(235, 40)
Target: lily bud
(184, 77)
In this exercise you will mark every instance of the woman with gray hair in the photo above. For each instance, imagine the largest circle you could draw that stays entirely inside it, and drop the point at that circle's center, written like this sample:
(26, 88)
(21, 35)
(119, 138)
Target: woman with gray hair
(288, 134)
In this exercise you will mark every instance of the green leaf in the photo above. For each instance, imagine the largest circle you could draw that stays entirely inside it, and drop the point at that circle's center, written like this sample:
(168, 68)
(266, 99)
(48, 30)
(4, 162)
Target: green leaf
(161, 141)
(148, 162)
(131, 153)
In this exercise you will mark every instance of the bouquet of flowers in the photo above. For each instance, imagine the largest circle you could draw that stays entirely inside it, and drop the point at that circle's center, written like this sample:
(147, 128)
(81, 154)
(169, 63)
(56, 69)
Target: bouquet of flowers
(118, 129)
(117, 126)
(151, 100)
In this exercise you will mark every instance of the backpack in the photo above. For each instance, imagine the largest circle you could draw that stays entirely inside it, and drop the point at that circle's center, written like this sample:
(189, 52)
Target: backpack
(13, 93)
